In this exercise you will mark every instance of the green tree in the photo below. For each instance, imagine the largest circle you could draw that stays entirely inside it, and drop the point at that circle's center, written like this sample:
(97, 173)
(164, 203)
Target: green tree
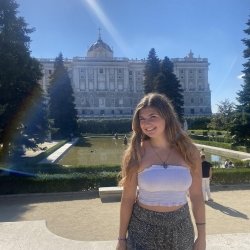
(241, 127)
(152, 69)
(62, 110)
(167, 83)
(19, 74)
(223, 119)
(36, 124)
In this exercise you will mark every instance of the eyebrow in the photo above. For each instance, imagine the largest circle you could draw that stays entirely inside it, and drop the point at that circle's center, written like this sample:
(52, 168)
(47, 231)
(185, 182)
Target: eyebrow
(154, 113)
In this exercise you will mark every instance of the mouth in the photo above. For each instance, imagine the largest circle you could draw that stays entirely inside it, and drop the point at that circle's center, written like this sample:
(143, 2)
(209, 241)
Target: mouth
(150, 129)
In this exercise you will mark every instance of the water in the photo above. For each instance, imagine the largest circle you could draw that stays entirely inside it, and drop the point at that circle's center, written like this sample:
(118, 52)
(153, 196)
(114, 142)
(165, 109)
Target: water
(95, 151)
(107, 150)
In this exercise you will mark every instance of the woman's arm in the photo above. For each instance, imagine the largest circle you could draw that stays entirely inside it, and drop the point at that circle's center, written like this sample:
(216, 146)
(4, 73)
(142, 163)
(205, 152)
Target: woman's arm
(198, 206)
(127, 202)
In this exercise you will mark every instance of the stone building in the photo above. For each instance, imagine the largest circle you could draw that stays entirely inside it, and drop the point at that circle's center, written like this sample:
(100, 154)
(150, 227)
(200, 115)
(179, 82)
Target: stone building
(110, 87)
(193, 75)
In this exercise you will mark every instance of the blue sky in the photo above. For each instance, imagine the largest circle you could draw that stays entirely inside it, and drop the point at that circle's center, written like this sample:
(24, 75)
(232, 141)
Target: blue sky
(212, 29)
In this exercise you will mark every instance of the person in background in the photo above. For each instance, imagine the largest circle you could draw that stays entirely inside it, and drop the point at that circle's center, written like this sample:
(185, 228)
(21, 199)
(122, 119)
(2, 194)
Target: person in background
(125, 140)
(226, 163)
(202, 152)
(206, 177)
(164, 164)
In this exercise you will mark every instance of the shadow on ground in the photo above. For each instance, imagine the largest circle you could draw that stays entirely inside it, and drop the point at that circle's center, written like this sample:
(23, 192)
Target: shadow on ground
(13, 206)
(227, 210)
(225, 187)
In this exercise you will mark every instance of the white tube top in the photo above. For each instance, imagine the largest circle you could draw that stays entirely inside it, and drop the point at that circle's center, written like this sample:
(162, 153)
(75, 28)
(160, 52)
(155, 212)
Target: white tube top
(159, 186)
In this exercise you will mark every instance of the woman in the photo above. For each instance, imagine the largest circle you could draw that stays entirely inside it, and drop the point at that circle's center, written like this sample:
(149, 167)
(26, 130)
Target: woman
(165, 165)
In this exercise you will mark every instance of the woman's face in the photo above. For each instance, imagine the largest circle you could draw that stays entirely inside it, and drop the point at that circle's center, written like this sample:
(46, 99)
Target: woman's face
(152, 124)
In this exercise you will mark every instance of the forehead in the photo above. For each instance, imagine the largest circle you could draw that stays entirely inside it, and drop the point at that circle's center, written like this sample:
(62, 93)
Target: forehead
(148, 111)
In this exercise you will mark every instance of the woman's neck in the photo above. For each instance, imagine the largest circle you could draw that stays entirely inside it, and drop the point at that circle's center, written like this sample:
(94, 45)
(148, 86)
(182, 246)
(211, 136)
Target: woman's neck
(159, 143)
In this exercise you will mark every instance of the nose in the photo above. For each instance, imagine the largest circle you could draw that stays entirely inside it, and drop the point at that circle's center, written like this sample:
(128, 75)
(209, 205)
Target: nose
(145, 121)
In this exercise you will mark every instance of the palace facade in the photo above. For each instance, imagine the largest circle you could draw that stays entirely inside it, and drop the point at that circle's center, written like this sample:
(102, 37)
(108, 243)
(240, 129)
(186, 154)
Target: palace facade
(110, 87)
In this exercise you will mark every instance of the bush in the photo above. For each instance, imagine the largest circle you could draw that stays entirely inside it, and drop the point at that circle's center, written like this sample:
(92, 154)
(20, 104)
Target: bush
(57, 183)
(231, 176)
(198, 122)
(91, 178)
(103, 126)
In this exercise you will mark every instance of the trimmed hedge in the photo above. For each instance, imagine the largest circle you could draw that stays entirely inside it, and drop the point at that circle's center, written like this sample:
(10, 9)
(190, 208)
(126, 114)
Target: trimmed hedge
(91, 178)
(104, 126)
(56, 183)
(231, 176)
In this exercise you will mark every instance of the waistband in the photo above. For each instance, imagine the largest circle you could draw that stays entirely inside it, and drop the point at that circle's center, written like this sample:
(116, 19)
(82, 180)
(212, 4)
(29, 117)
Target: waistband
(161, 218)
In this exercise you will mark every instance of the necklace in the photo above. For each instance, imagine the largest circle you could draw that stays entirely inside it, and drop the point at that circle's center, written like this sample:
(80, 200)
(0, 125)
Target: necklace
(164, 163)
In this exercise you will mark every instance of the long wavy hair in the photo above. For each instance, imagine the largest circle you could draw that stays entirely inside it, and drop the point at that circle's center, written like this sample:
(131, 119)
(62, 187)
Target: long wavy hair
(175, 135)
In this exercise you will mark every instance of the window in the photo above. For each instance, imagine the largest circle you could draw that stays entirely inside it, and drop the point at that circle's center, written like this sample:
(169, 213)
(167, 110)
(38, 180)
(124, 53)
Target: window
(101, 85)
(192, 111)
(192, 100)
(101, 70)
(120, 85)
(112, 85)
(121, 101)
(82, 85)
(91, 85)
(101, 102)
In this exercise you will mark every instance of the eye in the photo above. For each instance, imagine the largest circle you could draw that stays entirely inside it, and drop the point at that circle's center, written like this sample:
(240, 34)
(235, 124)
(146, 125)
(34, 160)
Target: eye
(153, 116)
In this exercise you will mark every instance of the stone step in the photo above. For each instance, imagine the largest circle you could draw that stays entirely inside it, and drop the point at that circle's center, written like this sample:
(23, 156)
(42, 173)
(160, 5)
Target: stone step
(110, 194)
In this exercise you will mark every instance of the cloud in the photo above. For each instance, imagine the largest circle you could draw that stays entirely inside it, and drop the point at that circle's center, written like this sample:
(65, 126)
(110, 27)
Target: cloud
(240, 76)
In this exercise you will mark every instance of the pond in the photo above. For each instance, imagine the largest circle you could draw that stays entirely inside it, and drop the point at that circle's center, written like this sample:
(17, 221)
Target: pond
(106, 150)
(95, 151)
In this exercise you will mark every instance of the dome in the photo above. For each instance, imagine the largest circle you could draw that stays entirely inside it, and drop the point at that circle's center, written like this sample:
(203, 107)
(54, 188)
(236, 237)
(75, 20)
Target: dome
(100, 49)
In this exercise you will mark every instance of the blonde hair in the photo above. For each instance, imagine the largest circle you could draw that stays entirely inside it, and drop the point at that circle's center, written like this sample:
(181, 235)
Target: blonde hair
(175, 135)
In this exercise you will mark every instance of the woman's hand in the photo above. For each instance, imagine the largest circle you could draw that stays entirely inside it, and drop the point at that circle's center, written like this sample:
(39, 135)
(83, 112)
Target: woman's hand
(200, 244)
(121, 245)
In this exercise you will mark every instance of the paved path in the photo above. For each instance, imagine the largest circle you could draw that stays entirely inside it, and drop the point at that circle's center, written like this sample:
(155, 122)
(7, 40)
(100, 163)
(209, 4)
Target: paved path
(81, 221)
(34, 235)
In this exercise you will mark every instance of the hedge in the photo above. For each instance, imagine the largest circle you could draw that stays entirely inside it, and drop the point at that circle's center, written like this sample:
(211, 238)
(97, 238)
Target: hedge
(105, 126)
(91, 178)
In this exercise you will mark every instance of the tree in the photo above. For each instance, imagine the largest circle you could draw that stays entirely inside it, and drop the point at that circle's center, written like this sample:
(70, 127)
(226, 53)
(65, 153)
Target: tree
(152, 69)
(241, 127)
(61, 101)
(19, 74)
(167, 83)
(223, 119)
(36, 123)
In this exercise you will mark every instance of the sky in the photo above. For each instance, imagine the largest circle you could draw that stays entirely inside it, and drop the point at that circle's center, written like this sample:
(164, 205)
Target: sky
(212, 29)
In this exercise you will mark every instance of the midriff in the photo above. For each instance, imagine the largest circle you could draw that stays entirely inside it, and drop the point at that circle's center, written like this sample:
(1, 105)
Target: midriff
(159, 208)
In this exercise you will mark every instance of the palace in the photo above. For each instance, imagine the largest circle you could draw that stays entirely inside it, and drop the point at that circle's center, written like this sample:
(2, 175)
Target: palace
(110, 87)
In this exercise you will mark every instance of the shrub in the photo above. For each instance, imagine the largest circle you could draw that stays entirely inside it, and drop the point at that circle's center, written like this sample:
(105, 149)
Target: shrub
(103, 126)
(231, 176)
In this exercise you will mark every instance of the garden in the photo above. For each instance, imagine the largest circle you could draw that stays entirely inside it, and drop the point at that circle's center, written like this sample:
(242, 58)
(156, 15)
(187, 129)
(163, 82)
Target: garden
(92, 163)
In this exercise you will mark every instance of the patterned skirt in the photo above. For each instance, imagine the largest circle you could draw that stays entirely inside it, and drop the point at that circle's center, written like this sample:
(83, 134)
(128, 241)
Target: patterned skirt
(150, 230)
